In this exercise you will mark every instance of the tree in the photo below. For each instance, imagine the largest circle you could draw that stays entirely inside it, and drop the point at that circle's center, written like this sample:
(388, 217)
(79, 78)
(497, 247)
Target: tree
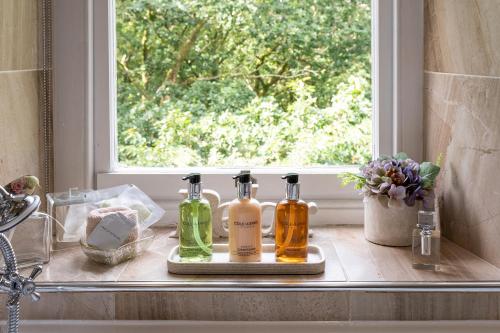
(238, 82)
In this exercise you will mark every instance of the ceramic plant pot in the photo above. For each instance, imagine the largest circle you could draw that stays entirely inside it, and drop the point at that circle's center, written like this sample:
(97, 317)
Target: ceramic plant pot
(391, 226)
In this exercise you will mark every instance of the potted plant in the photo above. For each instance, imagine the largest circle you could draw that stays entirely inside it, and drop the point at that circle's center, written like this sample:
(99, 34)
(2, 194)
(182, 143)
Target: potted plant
(394, 189)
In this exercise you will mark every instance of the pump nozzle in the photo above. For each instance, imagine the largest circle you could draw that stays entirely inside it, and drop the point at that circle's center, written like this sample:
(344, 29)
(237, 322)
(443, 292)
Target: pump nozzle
(194, 189)
(254, 180)
(243, 177)
(243, 181)
(194, 178)
(291, 178)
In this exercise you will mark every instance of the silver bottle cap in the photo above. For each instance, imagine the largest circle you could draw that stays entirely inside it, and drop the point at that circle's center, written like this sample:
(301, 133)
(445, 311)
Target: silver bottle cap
(292, 191)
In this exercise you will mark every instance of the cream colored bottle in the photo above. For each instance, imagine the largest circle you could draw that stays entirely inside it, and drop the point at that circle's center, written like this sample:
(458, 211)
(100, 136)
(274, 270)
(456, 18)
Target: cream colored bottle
(245, 221)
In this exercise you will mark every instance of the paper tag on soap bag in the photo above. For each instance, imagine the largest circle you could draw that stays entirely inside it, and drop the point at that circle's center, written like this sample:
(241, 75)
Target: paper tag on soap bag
(111, 232)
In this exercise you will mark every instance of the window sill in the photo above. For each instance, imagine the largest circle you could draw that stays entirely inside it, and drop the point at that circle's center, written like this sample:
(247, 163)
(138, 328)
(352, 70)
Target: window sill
(337, 204)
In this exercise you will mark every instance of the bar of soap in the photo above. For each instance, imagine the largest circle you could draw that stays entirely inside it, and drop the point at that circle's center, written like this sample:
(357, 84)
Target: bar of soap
(98, 215)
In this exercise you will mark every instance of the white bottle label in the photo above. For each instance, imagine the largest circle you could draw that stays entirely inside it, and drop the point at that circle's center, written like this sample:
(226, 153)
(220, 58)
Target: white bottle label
(247, 244)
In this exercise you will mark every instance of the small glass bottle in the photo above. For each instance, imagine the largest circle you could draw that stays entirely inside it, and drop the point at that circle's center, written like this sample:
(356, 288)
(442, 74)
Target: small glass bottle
(291, 220)
(195, 232)
(426, 242)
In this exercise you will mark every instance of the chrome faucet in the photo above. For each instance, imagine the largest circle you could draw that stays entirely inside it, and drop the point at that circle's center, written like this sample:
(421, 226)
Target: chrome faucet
(13, 210)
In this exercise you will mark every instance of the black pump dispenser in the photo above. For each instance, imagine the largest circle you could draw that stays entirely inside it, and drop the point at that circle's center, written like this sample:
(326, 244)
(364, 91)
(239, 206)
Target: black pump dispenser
(291, 178)
(252, 178)
(194, 189)
(243, 177)
(194, 178)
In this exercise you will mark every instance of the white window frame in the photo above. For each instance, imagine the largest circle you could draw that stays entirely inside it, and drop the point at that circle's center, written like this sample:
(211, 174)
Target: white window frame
(85, 111)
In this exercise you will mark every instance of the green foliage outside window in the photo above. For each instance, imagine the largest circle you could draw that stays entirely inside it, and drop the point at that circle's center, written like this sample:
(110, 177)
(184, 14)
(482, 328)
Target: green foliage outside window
(243, 82)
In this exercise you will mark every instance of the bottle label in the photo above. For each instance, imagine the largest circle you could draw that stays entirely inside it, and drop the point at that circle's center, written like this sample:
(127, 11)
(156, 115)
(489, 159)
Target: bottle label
(247, 224)
(246, 251)
(247, 238)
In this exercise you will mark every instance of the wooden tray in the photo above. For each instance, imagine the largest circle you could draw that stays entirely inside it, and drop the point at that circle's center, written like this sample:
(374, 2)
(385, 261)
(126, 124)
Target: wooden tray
(220, 263)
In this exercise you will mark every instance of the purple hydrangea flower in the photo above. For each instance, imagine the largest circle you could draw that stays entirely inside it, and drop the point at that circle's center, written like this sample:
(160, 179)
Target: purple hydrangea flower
(397, 192)
(399, 178)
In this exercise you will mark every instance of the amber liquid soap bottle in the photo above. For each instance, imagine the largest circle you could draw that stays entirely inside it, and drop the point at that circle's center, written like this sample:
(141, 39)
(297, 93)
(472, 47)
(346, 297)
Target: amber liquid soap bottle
(245, 220)
(292, 224)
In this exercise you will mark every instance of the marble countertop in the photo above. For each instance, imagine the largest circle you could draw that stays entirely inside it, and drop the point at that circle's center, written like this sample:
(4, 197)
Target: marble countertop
(351, 262)
(362, 281)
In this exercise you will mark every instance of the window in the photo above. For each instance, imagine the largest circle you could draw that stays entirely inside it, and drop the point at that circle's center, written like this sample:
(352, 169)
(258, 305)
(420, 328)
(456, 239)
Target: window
(243, 83)
(87, 155)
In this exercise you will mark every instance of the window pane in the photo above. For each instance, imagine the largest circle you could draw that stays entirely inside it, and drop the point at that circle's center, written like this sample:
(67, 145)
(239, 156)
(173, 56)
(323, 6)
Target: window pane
(243, 82)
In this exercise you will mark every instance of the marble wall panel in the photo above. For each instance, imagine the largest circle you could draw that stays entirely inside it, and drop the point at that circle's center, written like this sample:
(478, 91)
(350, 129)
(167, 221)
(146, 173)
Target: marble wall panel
(19, 35)
(462, 36)
(462, 118)
(463, 121)
(19, 124)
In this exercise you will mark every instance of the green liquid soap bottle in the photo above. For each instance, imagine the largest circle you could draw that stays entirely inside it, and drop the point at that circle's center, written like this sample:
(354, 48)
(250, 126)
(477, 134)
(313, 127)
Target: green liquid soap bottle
(195, 232)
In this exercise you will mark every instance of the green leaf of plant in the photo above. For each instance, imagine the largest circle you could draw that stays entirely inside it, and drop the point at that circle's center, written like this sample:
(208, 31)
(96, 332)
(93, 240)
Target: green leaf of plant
(348, 177)
(428, 172)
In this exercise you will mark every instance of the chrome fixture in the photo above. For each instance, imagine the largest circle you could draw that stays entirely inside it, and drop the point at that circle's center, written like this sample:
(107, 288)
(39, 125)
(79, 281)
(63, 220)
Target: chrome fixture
(13, 210)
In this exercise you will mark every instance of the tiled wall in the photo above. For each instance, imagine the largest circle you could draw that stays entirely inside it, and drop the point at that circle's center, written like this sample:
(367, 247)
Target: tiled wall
(462, 118)
(20, 73)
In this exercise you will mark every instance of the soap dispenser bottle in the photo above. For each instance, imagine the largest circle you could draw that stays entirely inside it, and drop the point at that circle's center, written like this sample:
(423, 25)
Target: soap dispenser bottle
(426, 242)
(195, 230)
(292, 223)
(245, 220)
